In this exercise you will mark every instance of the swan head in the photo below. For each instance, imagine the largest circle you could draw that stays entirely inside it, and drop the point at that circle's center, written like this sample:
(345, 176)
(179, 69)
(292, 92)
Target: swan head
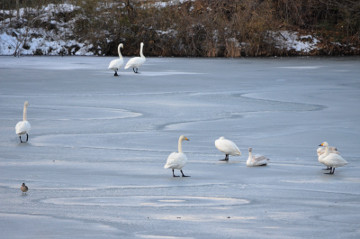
(182, 138)
(121, 45)
(222, 137)
(141, 44)
(26, 104)
(324, 144)
(250, 150)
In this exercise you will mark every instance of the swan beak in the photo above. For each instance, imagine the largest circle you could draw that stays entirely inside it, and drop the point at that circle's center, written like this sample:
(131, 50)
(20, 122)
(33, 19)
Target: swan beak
(187, 139)
(321, 144)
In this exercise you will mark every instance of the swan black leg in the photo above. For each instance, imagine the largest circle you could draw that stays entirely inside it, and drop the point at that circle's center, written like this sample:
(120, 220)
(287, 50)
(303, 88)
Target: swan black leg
(332, 170)
(135, 70)
(174, 174)
(226, 158)
(116, 74)
(183, 174)
(328, 168)
(20, 139)
(27, 137)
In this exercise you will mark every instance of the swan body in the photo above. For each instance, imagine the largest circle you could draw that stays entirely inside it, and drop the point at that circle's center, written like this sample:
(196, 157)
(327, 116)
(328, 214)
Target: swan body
(136, 62)
(177, 160)
(256, 160)
(23, 127)
(321, 150)
(228, 147)
(116, 64)
(331, 160)
(24, 188)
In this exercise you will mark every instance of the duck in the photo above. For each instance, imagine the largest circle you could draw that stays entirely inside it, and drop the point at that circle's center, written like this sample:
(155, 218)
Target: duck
(256, 160)
(24, 188)
(331, 160)
(321, 150)
(23, 127)
(136, 62)
(228, 147)
(116, 64)
(177, 160)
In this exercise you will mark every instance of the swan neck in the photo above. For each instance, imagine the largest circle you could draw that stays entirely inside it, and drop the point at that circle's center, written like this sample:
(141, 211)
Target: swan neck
(25, 113)
(180, 145)
(119, 52)
(141, 50)
(326, 150)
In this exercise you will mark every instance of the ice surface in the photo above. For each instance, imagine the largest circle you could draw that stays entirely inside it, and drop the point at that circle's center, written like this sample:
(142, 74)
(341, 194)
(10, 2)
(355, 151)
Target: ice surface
(94, 160)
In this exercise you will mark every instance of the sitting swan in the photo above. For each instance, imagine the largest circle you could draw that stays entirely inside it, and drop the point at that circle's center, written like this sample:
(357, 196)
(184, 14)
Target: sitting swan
(177, 160)
(331, 160)
(116, 64)
(23, 127)
(136, 62)
(256, 160)
(228, 147)
(321, 150)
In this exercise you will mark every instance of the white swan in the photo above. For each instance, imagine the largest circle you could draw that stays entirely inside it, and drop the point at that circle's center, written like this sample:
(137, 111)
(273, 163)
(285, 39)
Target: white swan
(256, 160)
(23, 127)
(321, 150)
(332, 160)
(116, 64)
(136, 62)
(228, 147)
(177, 160)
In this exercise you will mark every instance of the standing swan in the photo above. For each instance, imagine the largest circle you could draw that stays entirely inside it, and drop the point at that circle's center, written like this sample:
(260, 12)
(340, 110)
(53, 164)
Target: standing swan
(321, 150)
(331, 160)
(228, 147)
(177, 160)
(136, 62)
(116, 64)
(23, 127)
(256, 160)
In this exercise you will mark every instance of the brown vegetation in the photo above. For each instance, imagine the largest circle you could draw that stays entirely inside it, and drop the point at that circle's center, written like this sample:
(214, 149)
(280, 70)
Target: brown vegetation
(208, 28)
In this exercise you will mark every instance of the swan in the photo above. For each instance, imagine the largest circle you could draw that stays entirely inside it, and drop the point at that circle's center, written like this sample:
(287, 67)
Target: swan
(23, 127)
(177, 160)
(321, 150)
(136, 62)
(331, 160)
(24, 188)
(256, 160)
(116, 64)
(228, 147)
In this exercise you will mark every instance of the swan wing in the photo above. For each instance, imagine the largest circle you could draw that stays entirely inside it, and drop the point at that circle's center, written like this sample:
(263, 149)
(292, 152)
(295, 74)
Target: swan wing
(116, 64)
(334, 160)
(135, 62)
(176, 161)
(227, 146)
(22, 127)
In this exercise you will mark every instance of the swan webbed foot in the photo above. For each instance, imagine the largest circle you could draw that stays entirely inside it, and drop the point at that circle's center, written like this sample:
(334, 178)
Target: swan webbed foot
(226, 158)
(184, 176)
(135, 70)
(175, 176)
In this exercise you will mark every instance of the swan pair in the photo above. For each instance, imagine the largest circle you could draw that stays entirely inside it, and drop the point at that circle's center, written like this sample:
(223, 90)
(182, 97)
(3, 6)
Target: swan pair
(133, 63)
(23, 127)
(330, 157)
(230, 148)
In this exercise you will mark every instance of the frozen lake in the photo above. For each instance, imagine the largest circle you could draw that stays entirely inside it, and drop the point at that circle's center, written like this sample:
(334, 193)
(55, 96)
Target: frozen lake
(94, 160)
